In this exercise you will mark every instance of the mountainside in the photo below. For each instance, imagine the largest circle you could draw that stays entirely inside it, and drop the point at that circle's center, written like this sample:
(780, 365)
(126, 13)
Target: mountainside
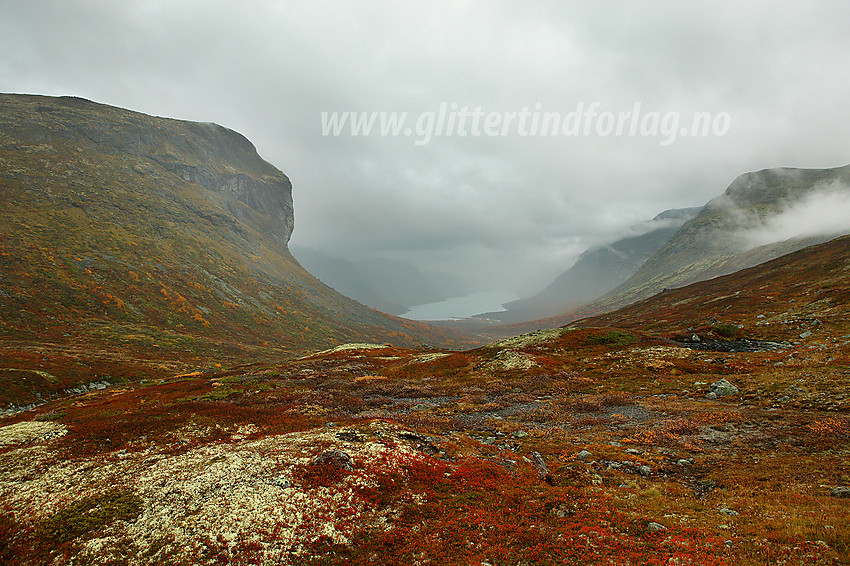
(617, 440)
(761, 216)
(807, 291)
(598, 270)
(153, 241)
(390, 286)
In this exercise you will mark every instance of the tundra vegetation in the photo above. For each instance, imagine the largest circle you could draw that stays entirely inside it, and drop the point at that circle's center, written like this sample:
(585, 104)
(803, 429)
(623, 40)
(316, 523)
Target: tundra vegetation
(596, 443)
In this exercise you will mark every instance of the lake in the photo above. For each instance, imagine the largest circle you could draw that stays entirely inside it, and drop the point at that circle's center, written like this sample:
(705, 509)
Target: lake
(461, 307)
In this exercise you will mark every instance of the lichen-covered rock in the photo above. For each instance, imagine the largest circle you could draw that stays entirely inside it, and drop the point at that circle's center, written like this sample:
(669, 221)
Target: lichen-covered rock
(30, 431)
(722, 387)
(334, 458)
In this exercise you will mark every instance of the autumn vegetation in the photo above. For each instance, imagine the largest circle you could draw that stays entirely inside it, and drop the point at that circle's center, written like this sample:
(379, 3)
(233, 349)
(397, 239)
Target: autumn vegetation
(167, 401)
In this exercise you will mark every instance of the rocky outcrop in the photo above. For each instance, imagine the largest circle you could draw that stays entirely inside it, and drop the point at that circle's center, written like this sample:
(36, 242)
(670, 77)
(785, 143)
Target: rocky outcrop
(222, 161)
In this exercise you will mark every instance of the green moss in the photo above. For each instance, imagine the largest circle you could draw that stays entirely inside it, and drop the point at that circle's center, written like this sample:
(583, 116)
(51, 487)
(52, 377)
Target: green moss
(222, 392)
(726, 330)
(613, 338)
(90, 514)
(50, 416)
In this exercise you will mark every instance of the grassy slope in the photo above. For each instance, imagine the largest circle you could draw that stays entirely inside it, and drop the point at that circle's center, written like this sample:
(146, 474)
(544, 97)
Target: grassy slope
(217, 466)
(111, 258)
(748, 293)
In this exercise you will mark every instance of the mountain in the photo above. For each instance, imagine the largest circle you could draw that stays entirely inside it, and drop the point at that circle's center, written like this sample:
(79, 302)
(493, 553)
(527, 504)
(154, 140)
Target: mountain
(129, 240)
(613, 441)
(761, 215)
(392, 286)
(781, 299)
(598, 270)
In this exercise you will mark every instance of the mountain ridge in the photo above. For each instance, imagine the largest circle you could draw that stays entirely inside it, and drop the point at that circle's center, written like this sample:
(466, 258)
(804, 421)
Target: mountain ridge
(159, 239)
(711, 244)
(598, 270)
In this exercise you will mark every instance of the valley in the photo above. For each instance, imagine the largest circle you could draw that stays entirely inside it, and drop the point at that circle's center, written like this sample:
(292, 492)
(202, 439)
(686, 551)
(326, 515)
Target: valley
(611, 438)
(178, 389)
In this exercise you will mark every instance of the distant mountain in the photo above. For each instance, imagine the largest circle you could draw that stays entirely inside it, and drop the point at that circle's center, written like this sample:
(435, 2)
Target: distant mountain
(775, 300)
(761, 216)
(388, 285)
(157, 238)
(598, 270)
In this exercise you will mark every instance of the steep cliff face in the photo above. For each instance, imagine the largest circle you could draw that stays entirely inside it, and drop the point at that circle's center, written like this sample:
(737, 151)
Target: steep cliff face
(157, 237)
(221, 161)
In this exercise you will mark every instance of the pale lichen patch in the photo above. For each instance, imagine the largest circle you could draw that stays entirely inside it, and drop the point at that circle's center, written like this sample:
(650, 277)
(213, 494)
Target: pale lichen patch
(219, 496)
(30, 431)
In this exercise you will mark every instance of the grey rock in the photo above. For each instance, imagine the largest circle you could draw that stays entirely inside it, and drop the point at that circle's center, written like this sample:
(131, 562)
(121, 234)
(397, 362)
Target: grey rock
(654, 527)
(711, 395)
(841, 491)
(684, 462)
(520, 434)
(336, 458)
(728, 512)
(542, 468)
(282, 483)
(644, 471)
(806, 334)
(722, 387)
(634, 451)
(561, 511)
(695, 338)
(583, 455)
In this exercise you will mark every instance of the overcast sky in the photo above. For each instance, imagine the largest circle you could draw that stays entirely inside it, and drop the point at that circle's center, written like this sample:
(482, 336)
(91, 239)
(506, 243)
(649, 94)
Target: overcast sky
(507, 211)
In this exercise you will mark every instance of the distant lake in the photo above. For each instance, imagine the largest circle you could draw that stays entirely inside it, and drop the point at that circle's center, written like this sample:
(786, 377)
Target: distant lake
(461, 307)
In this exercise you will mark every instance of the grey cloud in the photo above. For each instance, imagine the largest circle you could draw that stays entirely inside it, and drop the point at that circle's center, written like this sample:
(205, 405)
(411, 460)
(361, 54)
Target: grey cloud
(824, 212)
(512, 209)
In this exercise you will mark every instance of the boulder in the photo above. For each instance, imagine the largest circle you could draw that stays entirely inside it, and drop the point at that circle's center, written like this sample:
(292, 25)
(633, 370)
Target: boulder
(721, 388)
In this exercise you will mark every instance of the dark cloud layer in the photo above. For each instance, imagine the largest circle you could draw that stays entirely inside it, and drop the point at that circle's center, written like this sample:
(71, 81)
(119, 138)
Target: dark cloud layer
(506, 212)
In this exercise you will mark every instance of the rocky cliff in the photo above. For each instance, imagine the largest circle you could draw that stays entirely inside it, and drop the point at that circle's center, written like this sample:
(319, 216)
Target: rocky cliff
(223, 162)
(151, 238)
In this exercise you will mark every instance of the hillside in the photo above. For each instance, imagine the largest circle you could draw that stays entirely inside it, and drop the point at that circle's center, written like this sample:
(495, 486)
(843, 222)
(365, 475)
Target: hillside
(598, 270)
(761, 216)
(618, 440)
(804, 291)
(129, 241)
(391, 286)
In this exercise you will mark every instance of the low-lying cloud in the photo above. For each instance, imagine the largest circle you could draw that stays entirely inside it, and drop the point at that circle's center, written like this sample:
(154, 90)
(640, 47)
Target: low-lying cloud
(509, 211)
(825, 212)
